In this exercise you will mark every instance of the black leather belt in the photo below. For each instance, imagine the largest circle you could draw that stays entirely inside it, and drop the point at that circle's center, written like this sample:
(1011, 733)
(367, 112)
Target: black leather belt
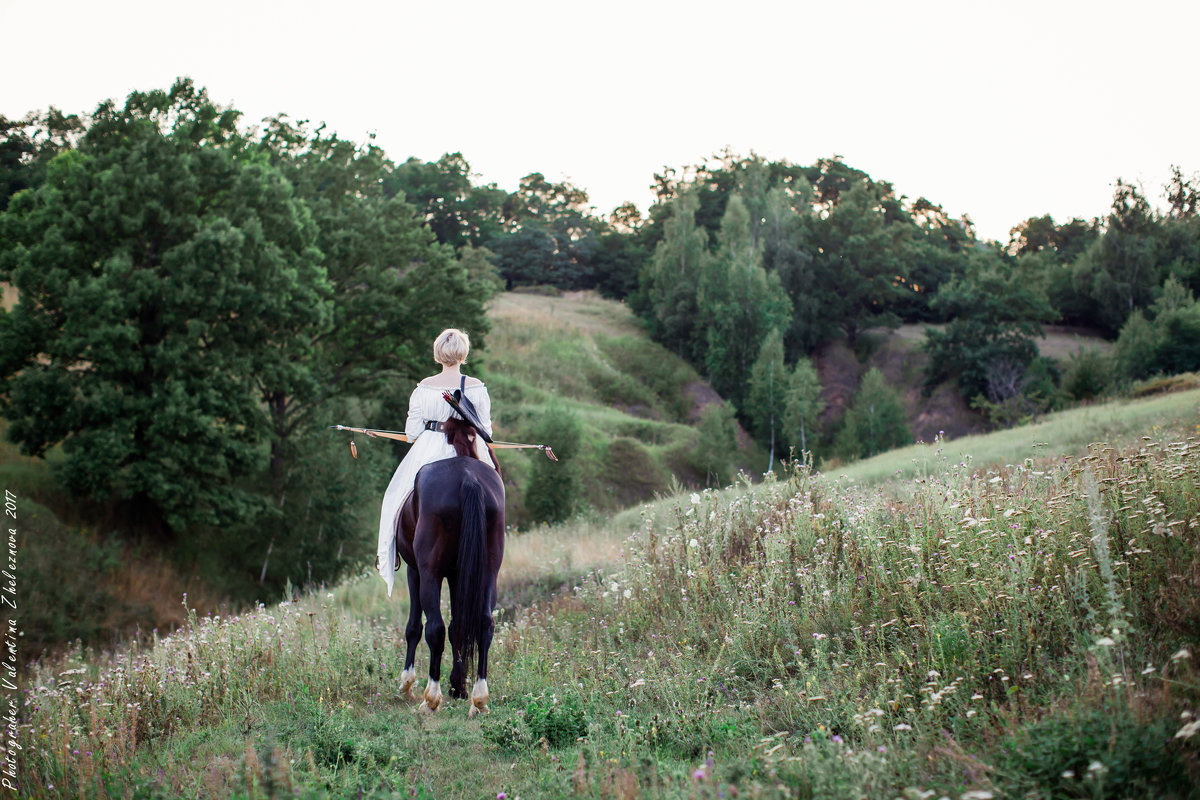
(430, 425)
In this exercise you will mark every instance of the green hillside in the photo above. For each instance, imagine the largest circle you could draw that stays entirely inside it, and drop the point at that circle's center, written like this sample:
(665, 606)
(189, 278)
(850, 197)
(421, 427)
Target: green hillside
(638, 404)
(990, 631)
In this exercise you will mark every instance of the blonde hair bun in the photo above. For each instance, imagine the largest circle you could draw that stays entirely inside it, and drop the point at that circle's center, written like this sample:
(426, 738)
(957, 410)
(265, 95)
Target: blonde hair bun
(451, 347)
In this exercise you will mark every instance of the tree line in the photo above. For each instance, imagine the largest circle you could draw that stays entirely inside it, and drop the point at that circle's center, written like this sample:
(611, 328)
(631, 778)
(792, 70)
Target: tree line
(738, 249)
(199, 298)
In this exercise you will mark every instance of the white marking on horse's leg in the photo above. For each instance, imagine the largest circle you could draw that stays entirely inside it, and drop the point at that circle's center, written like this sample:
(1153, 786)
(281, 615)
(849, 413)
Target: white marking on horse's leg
(407, 679)
(479, 698)
(433, 697)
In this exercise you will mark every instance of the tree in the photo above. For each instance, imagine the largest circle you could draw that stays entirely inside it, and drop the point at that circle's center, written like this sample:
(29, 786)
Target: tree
(162, 269)
(27, 146)
(876, 421)
(768, 384)
(667, 286)
(481, 270)
(857, 244)
(620, 253)
(1121, 269)
(802, 403)
(551, 237)
(457, 212)
(738, 303)
(789, 253)
(988, 345)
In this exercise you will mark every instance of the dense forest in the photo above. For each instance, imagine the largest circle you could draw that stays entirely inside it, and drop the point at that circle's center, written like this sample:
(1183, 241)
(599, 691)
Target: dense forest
(198, 297)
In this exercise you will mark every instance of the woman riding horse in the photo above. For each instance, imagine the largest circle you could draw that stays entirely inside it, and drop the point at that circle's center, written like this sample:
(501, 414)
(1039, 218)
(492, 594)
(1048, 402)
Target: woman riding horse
(443, 513)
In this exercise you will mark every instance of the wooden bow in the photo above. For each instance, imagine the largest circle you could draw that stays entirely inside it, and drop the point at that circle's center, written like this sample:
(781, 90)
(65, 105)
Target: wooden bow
(376, 433)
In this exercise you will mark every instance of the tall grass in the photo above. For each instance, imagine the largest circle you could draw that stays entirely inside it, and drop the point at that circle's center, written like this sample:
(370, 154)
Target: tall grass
(1009, 632)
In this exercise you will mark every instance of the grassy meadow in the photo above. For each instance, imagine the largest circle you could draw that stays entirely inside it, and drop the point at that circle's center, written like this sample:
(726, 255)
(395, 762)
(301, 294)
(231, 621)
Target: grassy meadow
(1025, 623)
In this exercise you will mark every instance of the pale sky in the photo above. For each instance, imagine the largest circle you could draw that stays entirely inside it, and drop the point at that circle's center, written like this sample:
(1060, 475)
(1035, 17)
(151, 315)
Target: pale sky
(1001, 110)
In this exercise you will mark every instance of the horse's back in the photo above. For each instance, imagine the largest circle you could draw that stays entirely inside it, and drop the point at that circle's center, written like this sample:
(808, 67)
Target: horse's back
(439, 485)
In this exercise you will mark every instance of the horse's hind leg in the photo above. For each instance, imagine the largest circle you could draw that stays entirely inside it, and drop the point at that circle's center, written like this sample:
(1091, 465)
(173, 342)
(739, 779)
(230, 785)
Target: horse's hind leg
(435, 637)
(479, 692)
(412, 634)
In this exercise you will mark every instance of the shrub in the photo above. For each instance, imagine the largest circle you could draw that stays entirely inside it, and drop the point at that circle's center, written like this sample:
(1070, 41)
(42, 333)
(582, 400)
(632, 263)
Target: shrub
(713, 455)
(66, 581)
(632, 472)
(553, 486)
(559, 721)
(1089, 374)
(1165, 385)
(1136, 348)
(1059, 756)
(876, 422)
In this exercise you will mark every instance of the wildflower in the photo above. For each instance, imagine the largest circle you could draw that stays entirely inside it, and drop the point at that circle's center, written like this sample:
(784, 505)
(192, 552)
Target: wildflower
(693, 543)
(695, 498)
(628, 593)
(1105, 641)
(978, 794)
(1182, 654)
(501, 796)
(1068, 774)
(1189, 730)
(903, 726)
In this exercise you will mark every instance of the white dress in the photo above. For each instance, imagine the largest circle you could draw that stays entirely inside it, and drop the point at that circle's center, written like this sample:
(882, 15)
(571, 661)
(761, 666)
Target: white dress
(425, 404)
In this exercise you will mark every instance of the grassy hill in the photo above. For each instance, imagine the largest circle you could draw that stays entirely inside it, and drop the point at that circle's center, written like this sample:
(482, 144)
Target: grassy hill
(638, 403)
(1023, 627)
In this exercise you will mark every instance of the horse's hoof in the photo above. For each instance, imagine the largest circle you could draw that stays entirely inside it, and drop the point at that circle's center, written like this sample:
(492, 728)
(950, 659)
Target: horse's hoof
(408, 679)
(479, 699)
(433, 697)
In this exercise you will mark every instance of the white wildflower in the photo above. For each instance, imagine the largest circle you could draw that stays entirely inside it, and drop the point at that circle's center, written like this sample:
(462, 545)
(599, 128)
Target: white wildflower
(1189, 730)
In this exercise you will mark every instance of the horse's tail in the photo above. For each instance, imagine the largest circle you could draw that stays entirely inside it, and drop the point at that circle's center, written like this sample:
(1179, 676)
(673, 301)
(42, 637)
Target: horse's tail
(471, 586)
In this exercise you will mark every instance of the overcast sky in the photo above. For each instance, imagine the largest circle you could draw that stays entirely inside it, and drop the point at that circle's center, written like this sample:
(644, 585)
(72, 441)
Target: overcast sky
(1001, 110)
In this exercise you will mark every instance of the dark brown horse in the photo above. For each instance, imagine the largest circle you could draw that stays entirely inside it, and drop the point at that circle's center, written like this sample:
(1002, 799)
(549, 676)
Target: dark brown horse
(452, 528)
